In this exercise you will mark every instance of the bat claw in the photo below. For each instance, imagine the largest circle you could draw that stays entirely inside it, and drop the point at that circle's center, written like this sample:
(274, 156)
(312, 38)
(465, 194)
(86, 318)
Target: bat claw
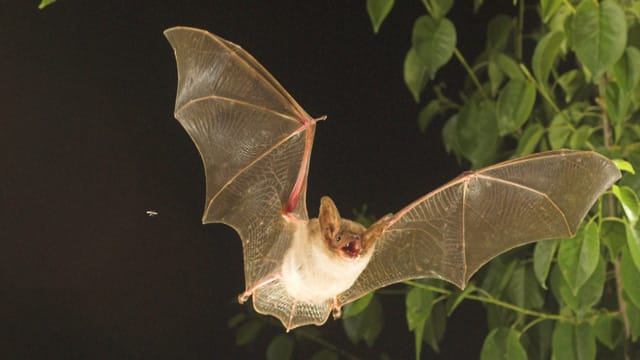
(374, 232)
(242, 298)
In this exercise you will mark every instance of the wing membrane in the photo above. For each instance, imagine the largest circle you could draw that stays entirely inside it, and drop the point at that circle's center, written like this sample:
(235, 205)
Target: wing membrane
(254, 139)
(453, 231)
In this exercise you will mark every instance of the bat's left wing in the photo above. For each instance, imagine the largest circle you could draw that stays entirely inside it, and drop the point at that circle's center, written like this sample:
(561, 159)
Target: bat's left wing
(255, 142)
(451, 232)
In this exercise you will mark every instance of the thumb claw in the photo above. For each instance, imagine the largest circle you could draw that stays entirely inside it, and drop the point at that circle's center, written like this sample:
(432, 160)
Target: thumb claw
(242, 298)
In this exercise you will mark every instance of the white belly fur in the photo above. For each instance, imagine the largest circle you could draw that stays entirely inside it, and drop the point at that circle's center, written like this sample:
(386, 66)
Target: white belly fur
(311, 273)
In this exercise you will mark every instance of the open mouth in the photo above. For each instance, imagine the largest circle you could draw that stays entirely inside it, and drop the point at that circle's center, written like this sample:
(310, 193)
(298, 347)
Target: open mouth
(352, 248)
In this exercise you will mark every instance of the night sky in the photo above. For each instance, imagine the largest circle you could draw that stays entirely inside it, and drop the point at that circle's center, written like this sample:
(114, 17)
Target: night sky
(88, 144)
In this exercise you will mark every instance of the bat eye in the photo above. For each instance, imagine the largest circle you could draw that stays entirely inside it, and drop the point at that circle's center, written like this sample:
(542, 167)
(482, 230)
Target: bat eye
(338, 238)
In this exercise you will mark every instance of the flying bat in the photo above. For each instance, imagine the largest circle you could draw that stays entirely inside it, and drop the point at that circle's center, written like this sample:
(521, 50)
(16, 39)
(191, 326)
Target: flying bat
(255, 142)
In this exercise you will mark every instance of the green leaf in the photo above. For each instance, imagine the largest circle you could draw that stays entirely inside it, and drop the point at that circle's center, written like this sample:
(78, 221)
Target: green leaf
(434, 42)
(634, 9)
(496, 76)
(617, 107)
(529, 139)
(633, 157)
(561, 20)
(633, 242)
(356, 307)
(613, 235)
(498, 316)
(440, 8)
(559, 132)
(573, 342)
(476, 5)
(435, 326)
(502, 343)
(498, 275)
(508, 66)
(325, 354)
(248, 331)
(579, 137)
(523, 290)
(545, 55)
(549, 8)
(539, 344)
(427, 113)
(280, 347)
(624, 165)
(609, 330)
(367, 325)
(498, 32)
(415, 74)
(627, 69)
(630, 277)
(571, 82)
(477, 132)
(599, 34)
(418, 302)
(578, 257)
(588, 295)
(450, 136)
(629, 201)
(500, 65)
(542, 258)
(560, 128)
(514, 105)
(378, 11)
(633, 314)
(44, 3)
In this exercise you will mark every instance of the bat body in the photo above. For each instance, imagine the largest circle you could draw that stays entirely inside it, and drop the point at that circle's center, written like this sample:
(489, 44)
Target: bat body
(312, 271)
(255, 142)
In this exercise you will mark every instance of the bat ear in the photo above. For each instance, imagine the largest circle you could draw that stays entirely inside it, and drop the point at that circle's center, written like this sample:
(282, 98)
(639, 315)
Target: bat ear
(329, 219)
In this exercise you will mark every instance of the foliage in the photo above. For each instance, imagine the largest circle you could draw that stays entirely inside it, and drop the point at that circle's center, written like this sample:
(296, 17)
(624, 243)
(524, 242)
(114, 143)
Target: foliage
(570, 80)
(44, 3)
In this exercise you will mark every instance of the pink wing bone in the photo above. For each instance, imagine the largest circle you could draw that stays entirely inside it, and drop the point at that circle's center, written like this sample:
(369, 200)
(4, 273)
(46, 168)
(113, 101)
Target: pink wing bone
(308, 125)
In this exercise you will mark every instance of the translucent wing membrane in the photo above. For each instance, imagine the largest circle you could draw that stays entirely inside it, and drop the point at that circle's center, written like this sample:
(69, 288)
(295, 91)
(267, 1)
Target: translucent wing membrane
(209, 66)
(255, 143)
(451, 232)
(275, 300)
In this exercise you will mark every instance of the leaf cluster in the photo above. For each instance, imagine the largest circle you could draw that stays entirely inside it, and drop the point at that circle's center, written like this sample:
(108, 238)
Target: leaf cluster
(569, 82)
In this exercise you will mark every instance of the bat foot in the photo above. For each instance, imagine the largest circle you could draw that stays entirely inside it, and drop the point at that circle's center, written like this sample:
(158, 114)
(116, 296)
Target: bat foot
(245, 295)
(336, 309)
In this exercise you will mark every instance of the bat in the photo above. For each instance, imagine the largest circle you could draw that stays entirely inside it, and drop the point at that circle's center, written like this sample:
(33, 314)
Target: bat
(255, 142)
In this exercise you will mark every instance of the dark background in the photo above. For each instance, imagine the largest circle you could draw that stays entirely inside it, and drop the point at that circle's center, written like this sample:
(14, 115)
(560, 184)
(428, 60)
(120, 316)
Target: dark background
(88, 144)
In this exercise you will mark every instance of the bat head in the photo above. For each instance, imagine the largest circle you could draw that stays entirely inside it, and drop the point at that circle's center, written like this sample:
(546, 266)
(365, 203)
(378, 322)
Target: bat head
(342, 236)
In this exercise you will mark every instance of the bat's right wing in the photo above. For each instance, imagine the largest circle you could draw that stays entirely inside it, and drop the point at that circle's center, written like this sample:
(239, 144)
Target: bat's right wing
(451, 232)
(255, 142)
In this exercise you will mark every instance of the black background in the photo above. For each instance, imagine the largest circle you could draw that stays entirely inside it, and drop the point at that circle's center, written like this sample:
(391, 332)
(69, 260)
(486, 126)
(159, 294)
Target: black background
(88, 144)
